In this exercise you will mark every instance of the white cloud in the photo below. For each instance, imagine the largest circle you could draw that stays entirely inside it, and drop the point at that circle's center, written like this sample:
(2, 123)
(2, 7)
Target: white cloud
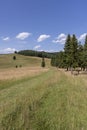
(6, 38)
(41, 50)
(43, 37)
(49, 51)
(7, 50)
(60, 39)
(82, 37)
(23, 35)
(36, 47)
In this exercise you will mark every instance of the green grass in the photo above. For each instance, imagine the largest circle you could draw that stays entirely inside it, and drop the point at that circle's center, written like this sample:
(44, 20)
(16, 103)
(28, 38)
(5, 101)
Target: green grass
(53, 100)
(24, 96)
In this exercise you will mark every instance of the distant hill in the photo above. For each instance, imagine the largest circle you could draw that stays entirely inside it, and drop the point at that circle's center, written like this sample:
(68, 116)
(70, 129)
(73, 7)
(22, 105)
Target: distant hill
(37, 53)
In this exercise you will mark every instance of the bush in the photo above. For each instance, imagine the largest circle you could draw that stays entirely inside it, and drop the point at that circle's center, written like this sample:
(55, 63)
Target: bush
(14, 57)
(16, 66)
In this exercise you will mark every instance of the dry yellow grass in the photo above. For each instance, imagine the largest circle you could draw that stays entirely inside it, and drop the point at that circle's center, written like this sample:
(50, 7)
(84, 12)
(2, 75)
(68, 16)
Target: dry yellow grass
(16, 73)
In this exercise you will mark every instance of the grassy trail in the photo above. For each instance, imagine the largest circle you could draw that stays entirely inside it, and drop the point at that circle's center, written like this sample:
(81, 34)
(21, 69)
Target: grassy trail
(54, 100)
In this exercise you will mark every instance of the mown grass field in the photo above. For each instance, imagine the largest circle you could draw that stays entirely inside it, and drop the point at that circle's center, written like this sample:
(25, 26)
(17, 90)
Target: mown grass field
(50, 99)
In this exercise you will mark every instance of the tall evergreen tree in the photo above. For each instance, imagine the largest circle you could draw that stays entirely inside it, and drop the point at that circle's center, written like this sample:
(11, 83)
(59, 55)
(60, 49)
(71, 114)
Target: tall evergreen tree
(85, 45)
(74, 51)
(85, 54)
(80, 56)
(67, 50)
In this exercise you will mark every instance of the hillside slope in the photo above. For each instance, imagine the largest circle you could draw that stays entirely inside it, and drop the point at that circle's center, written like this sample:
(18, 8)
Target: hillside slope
(6, 61)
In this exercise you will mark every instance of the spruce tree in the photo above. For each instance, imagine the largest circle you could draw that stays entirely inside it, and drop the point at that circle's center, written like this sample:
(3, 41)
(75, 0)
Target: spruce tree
(74, 51)
(85, 54)
(43, 62)
(67, 50)
(80, 56)
(85, 45)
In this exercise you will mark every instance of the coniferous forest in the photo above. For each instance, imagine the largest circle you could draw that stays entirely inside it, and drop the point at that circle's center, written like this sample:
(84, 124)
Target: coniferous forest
(74, 54)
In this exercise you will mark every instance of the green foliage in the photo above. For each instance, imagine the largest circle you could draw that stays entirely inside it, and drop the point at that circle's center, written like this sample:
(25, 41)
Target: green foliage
(58, 60)
(80, 55)
(54, 61)
(43, 62)
(67, 47)
(85, 45)
(74, 51)
(71, 51)
(85, 53)
(36, 53)
(14, 57)
(68, 51)
(74, 55)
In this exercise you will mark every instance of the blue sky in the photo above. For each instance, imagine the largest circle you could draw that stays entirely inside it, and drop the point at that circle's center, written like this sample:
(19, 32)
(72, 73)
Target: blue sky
(40, 24)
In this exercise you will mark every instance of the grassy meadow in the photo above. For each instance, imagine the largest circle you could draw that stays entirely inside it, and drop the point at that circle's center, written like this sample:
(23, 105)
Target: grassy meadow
(35, 98)
(6, 61)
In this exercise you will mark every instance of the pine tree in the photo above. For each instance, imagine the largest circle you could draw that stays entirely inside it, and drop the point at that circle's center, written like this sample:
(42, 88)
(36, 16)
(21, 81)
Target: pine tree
(43, 62)
(85, 54)
(71, 51)
(74, 51)
(67, 50)
(80, 56)
(85, 45)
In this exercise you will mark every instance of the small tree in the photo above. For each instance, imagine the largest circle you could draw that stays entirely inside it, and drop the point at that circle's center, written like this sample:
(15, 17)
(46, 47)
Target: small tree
(43, 62)
(14, 57)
